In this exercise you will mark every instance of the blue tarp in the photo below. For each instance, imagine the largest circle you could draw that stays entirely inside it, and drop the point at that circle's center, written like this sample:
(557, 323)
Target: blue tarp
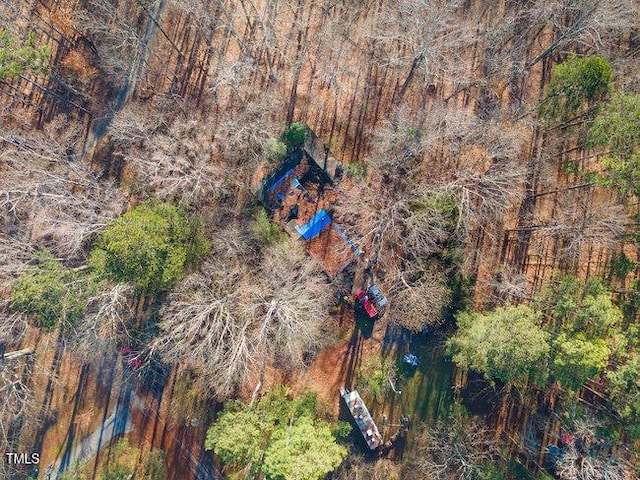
(411, 359)
(280, 180)
(315, 225)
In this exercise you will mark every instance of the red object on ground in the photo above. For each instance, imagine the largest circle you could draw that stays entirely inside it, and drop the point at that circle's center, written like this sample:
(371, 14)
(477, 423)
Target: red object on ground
(125, 351)
(566, 438)
(135, 363)
(368, 306)
(363, 298)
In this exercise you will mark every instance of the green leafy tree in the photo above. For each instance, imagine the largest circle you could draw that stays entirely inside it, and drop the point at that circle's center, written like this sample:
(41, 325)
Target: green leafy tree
(585, 323)
(621, 265)
(576, 359)
(50, 292)
(275, 150)
(276, 436)
(295, 135)
(357, 170)
(576, 84)
(18, 55)
(154, 466)
(616, 129)
(151, 246)
(572, 306)
(624, 392)
(265, 230)
(239, 437)
(491, 471)
(305, 450)
(507, 344)
(121, 462)
(75, 472)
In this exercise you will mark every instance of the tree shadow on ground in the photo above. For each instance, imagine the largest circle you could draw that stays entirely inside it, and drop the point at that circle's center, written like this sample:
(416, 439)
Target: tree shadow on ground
(362, 330)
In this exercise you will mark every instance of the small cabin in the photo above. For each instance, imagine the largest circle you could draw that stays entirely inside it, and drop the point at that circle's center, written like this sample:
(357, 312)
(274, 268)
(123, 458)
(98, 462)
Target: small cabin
(299, 196)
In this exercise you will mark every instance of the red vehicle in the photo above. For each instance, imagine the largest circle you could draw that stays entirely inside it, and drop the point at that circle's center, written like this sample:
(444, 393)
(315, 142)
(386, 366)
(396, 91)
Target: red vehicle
(131, 357)
(367, 304)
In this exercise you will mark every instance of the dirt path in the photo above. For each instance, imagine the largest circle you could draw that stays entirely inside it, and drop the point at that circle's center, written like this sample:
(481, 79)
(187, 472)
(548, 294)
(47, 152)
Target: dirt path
(335, 367)
(118, 423)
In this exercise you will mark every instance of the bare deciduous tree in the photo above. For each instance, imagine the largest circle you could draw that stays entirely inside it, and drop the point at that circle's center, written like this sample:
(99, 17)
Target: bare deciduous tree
(587, 458)
(107, 322)
(14, 258)
(202, 328)
(179, 165)
(291, 297)
(455, 449)
(112, 26)
(578, 221)
(511, 286)
(583, 22)
(228, 322)
(409, 226)
(428, 31)
(51, 198)
(483, 197)
(136, 123)
(241, 136)
(12, 325)
(402, 146)
(575, 466)
(419, 298)
(357, 467)
(16, 397)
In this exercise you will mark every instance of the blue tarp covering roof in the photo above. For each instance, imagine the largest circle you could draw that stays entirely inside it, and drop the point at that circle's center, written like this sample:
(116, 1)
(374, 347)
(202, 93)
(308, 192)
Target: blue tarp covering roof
(315, 225)
(280, 180)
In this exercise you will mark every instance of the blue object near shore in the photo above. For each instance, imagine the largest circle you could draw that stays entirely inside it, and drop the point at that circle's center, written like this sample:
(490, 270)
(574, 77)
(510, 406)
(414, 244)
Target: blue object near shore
(411, 359)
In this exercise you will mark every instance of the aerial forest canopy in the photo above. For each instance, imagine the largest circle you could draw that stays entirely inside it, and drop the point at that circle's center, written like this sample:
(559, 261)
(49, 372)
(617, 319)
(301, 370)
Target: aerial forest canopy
(568, 334)
(18, 55)
(150, 246)
(324, 239)
(279, 437)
